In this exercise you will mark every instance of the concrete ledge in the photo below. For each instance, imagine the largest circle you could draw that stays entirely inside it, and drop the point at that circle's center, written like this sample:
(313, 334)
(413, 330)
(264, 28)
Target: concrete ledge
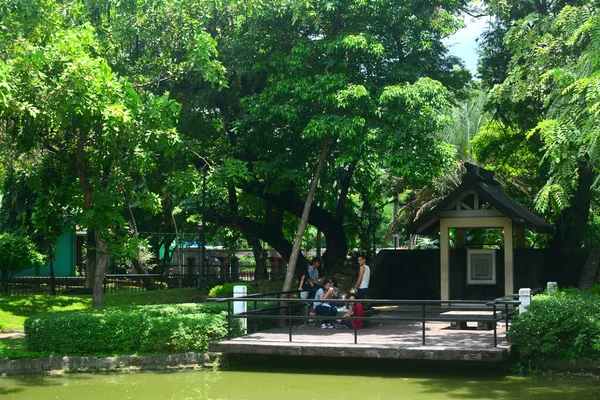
(577, 365)
(154, 362)
(391, 351)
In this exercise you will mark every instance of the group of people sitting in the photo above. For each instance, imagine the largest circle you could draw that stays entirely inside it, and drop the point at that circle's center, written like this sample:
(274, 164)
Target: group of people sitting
(323, 308)
(315, 286)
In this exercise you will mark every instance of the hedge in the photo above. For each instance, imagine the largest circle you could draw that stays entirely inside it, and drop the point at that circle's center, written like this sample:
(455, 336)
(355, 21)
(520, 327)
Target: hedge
(226, 289)
(129, 330)
(564, 325)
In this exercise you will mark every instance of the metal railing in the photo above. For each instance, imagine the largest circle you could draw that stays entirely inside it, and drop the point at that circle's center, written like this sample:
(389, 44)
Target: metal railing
(61, 285)
(30, 285)
(424, 311)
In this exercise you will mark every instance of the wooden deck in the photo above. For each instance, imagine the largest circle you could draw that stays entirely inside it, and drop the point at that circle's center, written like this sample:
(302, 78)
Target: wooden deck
(380, 339)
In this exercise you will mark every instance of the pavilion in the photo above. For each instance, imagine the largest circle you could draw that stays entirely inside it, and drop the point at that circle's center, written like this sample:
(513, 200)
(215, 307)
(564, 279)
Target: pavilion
(478, 202)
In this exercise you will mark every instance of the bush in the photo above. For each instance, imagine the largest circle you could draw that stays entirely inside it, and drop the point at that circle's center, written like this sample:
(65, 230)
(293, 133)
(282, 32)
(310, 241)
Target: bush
(564, 325)
(226, 289)
(594, 290)
(129, 330)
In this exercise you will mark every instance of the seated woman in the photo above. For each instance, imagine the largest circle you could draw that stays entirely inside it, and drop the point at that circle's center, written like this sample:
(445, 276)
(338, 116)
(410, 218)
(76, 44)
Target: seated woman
(323, 308)
(355, 311)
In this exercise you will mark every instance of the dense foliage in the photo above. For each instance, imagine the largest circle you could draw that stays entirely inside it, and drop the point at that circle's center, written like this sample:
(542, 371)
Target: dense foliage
(541, 62)
(128, 330)
(564, 325)
(113, 112)
(17, 253)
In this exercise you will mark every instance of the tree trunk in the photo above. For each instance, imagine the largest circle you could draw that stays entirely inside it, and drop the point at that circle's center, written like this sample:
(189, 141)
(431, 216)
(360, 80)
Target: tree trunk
(90, 259)
(4, 282)
(572, 223)
(289, 273)
(326, 222)
(145, 278)
(100, 267)
(136, 262)
(260, 257)
(270, 232)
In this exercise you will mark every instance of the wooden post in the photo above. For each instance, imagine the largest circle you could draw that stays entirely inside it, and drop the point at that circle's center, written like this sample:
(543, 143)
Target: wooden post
(444, 260)
(508, 258)
(460, 238)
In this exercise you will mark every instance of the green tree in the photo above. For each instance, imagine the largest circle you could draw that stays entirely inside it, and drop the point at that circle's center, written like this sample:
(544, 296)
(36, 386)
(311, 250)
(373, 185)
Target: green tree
(344, 73)
(79, 116)
(69, 111)
(549, 94)
(17, 253)
(468, 116)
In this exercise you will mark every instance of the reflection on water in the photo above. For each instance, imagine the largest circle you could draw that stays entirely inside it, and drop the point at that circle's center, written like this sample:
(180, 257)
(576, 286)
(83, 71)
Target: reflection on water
(292, 385)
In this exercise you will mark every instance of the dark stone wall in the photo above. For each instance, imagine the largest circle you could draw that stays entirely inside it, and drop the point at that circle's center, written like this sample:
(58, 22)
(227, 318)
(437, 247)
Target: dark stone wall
(458, 278)
(415, 274)
(405, 274)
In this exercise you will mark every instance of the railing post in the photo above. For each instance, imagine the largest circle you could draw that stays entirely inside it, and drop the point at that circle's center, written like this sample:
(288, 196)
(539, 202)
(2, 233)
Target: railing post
(228, 319)
(495, 325)
(289, 320)
(355, 330)
(423, 324)
(241, 306)
(524, 299)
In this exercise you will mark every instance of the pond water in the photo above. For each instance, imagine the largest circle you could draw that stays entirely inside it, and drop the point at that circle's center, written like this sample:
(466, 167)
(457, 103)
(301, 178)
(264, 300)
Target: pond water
(294, 385)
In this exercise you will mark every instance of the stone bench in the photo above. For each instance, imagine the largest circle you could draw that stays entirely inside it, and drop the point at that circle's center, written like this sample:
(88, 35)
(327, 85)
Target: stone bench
(459, 319)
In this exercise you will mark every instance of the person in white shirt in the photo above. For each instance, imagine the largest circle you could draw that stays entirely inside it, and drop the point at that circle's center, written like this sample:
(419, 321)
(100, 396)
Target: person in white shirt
(364, 275)
(322, 307)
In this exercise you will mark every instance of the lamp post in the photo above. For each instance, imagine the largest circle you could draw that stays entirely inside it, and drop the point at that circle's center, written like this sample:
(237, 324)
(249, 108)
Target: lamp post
(395, 236)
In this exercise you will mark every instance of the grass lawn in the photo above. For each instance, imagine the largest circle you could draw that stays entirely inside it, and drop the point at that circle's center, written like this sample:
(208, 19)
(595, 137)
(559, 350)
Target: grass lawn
(14, 310)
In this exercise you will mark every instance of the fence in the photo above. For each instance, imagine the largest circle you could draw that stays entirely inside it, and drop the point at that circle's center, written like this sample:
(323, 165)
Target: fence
(427, 311)
(62, 285)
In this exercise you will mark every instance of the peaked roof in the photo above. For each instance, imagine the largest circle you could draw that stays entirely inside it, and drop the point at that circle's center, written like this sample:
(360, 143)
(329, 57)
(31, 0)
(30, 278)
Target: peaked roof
(481, 182)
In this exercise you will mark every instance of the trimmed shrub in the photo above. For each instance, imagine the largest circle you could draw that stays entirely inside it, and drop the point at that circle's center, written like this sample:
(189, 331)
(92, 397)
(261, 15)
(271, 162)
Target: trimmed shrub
(564, 325)
(183, 333)
(129, 330)
(226, 289)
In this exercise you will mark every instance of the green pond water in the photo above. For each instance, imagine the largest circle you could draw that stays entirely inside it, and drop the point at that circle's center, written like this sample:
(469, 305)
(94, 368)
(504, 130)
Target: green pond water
(283, 385)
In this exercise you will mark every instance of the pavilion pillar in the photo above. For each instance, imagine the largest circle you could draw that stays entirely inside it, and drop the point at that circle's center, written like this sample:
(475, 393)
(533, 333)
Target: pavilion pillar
(444, 259)
(509, 281)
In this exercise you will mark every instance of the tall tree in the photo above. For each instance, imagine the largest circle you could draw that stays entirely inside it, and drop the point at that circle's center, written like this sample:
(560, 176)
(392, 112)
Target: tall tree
(68, 109)
(346, 71)
(549, 95)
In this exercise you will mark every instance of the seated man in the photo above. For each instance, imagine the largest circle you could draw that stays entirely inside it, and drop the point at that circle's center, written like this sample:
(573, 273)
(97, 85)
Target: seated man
(323, 308)
(311, 280)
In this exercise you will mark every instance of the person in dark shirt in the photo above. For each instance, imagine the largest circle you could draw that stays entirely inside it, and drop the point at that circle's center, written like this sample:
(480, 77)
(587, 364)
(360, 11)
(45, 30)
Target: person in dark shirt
(311, 280)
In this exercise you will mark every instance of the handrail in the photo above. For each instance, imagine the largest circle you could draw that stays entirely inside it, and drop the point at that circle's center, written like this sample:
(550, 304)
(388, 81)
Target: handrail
(370, 301)
(423, 318)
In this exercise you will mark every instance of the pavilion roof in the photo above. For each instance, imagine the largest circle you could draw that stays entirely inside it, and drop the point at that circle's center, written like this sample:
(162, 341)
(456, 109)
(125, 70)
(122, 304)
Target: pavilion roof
(480, 181)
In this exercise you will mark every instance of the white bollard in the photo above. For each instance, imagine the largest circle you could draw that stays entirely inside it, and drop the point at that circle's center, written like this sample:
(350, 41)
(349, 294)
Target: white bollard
(240, 306)
(551, 287)
(525, 299)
